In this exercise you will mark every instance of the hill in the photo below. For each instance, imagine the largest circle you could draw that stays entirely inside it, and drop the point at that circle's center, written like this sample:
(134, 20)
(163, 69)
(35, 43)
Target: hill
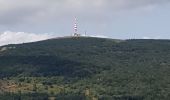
(88, 68)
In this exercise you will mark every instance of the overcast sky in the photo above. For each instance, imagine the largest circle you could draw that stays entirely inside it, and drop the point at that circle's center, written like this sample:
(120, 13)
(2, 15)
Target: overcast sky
(122, 19)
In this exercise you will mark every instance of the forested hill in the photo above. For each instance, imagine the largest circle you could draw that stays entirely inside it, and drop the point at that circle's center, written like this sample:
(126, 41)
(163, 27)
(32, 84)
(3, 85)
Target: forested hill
(110, 68)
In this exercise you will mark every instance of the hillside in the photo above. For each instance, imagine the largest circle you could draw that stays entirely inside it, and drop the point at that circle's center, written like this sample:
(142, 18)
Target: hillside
(87, 68)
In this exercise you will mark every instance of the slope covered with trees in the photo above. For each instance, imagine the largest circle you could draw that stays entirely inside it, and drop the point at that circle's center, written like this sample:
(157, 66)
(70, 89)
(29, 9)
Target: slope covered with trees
(86, 68)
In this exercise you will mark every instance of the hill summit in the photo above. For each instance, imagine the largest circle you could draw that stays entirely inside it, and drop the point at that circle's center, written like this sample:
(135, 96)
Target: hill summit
(107, 69)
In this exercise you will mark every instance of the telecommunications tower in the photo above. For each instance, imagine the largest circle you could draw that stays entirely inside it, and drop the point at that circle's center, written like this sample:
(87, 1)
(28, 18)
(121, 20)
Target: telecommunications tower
(75, 28)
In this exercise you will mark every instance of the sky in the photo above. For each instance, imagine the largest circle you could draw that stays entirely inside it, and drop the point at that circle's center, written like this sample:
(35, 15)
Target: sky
(33, 20)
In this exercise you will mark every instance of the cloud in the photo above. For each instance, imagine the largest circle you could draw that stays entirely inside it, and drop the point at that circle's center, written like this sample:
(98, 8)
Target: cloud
(99, 36)
(95, 16)
(21, 37)
(146, 37)
(14, 12)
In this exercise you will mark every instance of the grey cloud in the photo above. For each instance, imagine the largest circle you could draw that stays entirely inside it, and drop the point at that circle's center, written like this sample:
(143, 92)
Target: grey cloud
(14, 12)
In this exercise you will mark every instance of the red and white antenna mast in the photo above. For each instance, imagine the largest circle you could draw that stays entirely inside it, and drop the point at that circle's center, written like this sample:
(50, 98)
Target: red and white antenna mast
(75, 27)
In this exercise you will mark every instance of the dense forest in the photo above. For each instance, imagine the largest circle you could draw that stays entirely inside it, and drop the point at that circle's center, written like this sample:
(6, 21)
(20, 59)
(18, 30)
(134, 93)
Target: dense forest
(86, 68)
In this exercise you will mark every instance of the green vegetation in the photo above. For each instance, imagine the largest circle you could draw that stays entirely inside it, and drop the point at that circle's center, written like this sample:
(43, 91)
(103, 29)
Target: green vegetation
(86, 69)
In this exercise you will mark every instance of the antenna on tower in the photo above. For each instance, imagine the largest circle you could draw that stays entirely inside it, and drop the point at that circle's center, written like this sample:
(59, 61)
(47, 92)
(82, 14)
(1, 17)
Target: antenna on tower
(85, 33)
(75, 28)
